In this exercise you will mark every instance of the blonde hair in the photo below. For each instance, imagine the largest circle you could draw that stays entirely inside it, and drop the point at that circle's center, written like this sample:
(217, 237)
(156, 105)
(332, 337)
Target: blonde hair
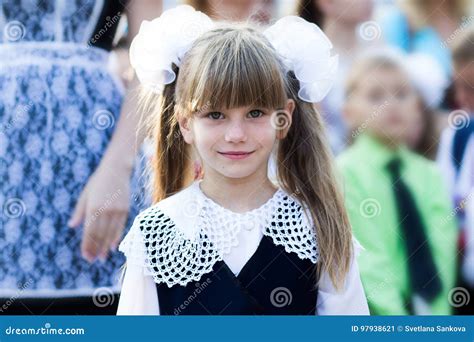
(369, 62)
(236, 66)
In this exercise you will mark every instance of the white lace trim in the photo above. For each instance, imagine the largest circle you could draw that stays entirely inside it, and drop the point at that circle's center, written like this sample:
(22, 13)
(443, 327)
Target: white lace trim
(172, 257)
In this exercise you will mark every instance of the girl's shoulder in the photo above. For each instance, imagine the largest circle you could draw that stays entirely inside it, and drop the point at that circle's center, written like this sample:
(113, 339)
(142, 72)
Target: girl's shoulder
(180, 210)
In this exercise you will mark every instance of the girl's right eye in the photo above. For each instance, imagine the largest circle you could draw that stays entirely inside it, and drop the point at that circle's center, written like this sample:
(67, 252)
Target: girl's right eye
(215, 115)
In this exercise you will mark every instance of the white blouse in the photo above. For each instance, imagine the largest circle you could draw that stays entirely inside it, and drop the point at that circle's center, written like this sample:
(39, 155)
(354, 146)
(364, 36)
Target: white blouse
(243, 233)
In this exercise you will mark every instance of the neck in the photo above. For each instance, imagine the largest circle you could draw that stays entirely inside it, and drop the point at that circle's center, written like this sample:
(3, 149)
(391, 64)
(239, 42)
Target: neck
(238, 194)
(342, 35)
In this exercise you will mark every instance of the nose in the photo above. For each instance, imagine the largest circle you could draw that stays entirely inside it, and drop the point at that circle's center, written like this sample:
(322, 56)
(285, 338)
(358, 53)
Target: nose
(236, 132)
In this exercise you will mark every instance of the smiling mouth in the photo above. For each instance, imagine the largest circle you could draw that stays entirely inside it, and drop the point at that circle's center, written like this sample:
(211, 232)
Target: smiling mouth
(236, 154)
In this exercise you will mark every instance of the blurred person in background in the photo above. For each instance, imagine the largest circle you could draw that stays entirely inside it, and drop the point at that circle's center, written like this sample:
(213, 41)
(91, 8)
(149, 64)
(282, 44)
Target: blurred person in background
(236, 10)
(396, 204)
(427, 26)
(68, 150)
(456, 157)
(341, 20)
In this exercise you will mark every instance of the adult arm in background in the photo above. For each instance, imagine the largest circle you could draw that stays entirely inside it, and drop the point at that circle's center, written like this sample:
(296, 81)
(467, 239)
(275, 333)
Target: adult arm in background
(113, 174)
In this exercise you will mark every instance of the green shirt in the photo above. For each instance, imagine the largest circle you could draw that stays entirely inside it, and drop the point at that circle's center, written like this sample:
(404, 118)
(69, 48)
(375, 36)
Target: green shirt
(374, 218)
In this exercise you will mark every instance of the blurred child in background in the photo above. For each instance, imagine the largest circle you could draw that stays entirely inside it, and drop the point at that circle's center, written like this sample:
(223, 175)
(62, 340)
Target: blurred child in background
(397, 208)
(456, 156)
(426, 26)
(340, 20)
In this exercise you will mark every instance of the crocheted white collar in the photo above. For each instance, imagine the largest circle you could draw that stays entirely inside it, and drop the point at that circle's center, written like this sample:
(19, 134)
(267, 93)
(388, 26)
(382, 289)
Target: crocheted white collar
(179, 239)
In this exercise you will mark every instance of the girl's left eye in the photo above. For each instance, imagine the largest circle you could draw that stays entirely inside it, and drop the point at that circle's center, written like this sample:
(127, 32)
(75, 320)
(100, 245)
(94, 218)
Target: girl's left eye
(255, 114)
(215, 115)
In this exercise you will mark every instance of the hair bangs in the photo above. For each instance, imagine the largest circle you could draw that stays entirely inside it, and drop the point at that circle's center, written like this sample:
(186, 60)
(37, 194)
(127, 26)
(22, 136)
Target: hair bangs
(238, 69)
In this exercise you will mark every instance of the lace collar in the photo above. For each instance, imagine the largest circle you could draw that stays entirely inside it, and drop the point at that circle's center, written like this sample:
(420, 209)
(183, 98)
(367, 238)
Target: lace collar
(179, 239)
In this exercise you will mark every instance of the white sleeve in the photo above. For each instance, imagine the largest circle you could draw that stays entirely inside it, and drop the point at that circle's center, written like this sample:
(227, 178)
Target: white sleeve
(139, 295)
(349, 300)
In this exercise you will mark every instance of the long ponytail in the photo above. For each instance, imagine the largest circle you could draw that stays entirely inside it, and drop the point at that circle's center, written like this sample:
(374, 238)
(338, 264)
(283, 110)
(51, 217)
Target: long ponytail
(171, 165)
(305, 169)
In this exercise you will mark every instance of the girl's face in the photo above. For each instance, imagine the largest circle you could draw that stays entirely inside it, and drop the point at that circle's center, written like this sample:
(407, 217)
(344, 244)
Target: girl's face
(383, 105)
(237, 142)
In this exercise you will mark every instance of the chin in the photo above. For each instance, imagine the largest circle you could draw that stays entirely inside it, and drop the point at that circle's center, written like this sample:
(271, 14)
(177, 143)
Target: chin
(236, 174)
(236, 171)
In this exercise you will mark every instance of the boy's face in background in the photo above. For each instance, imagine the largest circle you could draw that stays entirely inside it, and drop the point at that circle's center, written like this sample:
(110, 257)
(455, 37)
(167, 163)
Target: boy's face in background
(382, 105)
(464, 86)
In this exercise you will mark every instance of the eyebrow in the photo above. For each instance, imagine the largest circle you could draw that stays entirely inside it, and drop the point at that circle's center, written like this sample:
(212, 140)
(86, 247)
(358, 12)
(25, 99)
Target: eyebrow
(223, 110)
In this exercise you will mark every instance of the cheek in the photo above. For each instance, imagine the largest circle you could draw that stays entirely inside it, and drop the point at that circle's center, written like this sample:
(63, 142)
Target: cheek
(263, 134)
(411, 108)
(205, 136)
(362, 110)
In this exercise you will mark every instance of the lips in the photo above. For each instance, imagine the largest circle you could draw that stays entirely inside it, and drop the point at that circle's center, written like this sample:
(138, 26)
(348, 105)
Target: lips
(236, 154)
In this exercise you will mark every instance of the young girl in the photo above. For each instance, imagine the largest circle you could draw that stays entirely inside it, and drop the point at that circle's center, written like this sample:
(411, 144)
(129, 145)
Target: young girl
(233, 242)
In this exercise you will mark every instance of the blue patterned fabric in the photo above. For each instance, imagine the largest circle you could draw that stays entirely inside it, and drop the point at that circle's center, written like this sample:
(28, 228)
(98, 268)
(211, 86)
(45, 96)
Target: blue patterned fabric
(58, 109)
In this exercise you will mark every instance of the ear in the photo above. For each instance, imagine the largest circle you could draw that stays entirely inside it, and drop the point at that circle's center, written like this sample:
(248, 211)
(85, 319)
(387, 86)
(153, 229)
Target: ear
(282, 119)
(186, 130)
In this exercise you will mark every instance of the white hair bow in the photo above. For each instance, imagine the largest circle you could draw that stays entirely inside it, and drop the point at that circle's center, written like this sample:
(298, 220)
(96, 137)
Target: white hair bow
(302, 46)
